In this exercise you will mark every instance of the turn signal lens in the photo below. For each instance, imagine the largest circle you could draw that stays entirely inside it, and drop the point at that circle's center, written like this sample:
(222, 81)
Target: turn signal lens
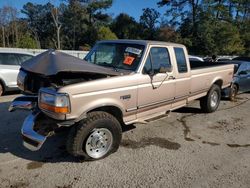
(54, 102)
(61, 110)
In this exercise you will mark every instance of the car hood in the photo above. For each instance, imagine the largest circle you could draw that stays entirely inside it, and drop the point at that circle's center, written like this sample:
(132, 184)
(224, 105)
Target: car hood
(52, 62)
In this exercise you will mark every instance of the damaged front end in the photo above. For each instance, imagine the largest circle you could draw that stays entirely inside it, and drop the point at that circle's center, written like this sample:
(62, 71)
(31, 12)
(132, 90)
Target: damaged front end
(39, 79)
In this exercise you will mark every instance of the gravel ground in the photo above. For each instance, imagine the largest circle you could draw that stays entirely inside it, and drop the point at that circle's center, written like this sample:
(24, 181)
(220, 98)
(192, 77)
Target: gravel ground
(185, 149)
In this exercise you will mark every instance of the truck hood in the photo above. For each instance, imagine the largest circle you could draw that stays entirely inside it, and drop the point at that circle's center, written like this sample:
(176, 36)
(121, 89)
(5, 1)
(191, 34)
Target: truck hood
(52, 62)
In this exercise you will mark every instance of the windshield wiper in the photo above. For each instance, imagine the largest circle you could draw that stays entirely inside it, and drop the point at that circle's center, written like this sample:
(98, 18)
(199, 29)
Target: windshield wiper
(108, 65)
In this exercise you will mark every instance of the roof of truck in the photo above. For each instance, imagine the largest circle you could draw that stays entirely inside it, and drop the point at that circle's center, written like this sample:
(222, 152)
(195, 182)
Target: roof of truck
(142, 42)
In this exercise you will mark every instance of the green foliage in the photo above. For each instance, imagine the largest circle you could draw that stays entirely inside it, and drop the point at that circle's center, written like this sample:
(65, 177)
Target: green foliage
(125, 27)
(228, 39)
(148, 20)
(168, 34)
(40, 22)
(26, 41)
(211, 27)
(206, 27)
(104, 33)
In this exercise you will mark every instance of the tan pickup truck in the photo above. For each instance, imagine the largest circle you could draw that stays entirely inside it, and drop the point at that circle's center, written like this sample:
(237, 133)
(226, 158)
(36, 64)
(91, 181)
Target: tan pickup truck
(119, 82)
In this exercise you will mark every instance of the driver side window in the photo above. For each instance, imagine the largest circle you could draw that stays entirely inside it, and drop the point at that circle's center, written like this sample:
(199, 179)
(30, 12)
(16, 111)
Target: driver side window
(157, 59)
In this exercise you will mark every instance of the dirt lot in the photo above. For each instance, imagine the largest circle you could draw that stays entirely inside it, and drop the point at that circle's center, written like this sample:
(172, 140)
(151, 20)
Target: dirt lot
(186, 149)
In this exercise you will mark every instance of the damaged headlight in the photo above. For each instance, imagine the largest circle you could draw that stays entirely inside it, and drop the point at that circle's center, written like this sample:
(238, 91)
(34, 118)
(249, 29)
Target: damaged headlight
(54, 102)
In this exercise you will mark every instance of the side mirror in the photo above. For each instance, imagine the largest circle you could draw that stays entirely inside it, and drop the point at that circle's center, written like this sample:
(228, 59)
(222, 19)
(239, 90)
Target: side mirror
(148, 72)
(242, 72)
(166, 69)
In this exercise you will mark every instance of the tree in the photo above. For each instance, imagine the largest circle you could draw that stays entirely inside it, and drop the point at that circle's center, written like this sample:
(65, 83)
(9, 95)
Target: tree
(94, 9)
(125, 27)
(104, 33)
(26, 41)
(228, 39)
(55, 15)
(75, 25)
(148, 20)
(168, 34)
(8, 24)
(41, 23)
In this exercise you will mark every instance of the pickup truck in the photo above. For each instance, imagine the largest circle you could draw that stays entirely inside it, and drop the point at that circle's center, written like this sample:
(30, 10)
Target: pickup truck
(119, 82)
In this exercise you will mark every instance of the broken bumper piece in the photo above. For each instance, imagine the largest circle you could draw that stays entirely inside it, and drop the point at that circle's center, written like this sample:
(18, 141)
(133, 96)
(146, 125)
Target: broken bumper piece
(31, 139)
(23, 103)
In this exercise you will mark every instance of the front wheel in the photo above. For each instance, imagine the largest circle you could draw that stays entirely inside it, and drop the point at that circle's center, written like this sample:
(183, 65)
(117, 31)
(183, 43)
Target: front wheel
(211, 101)
(95, 137)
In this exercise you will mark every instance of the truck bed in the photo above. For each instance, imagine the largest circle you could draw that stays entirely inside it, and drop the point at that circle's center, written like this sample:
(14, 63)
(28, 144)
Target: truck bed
(203, 74)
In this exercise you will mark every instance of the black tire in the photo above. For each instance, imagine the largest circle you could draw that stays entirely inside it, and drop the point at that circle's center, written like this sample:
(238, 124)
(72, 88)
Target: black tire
(233, 93)
(1, 89)
(81, 132)
(209, 103)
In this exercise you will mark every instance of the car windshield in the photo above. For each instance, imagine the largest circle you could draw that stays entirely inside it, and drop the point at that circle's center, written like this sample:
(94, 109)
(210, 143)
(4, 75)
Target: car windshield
(116, 55)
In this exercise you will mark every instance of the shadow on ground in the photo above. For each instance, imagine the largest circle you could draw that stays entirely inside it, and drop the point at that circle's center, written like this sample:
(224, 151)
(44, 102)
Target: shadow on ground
(53, 150)
(188, 110)
(11, 142)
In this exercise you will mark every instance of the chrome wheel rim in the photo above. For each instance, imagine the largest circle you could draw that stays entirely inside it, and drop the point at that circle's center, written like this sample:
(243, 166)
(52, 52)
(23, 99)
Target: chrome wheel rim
(99, 142)
(214, 99)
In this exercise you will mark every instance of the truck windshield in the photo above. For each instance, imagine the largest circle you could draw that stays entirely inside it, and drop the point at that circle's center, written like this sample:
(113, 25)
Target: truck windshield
(116, 55)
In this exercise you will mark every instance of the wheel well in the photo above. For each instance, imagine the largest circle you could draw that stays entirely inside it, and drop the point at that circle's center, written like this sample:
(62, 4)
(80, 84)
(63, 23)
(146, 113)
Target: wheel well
(237, 85)
(219, 83)
(113, 110)
(3, 84)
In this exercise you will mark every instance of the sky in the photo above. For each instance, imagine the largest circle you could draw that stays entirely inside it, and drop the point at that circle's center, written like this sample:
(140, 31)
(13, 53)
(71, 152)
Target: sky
(131, 7)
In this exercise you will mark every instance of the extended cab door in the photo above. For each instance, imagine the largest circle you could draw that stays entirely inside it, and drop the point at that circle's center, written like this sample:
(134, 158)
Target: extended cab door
(182, 78)
(156, 88)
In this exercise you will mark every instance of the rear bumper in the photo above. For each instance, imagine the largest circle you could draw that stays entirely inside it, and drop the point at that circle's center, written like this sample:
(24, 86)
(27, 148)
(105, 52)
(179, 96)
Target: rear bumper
(31, 139)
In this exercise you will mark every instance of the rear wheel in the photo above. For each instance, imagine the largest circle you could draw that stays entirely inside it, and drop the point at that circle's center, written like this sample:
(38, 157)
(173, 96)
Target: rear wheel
(233, 93)
(95, 137)
(211, 101)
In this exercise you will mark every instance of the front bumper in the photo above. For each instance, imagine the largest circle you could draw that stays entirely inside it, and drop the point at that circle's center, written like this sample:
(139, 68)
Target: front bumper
(23, 103)
(31, 139)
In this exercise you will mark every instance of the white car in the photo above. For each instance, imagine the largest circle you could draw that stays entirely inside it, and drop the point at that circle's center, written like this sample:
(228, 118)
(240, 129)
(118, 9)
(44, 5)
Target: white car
(195, 58)
(9, 67)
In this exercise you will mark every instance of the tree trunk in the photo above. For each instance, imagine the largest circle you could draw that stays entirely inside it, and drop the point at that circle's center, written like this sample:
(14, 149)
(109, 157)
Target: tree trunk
(3, 36)
(74, 38)
(16, 32)
(58, 38)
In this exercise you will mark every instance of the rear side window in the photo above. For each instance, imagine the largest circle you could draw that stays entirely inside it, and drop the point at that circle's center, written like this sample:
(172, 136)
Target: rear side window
(181, 60)
(24, 57)
(8, 59)
(158, 58)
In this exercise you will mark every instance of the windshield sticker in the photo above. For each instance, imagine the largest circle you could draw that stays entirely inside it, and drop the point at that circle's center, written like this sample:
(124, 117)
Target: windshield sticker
(128, 60)
(133, 50)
